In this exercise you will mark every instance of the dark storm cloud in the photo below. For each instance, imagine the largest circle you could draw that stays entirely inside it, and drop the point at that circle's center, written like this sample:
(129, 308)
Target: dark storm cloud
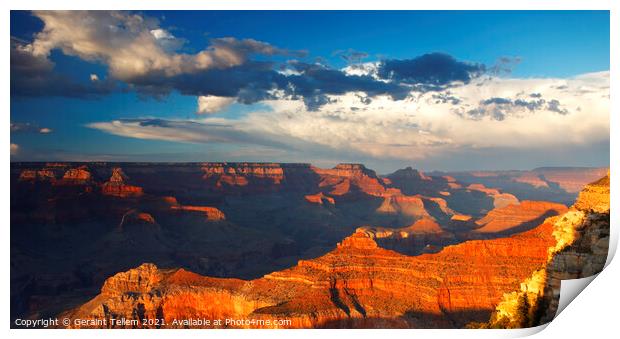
(142, 56)
(255, 81)
(35, 76)
(249, 82)
(435, 69)
(316, 79)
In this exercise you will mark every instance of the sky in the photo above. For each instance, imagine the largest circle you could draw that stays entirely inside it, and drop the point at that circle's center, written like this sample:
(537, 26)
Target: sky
(435, 90)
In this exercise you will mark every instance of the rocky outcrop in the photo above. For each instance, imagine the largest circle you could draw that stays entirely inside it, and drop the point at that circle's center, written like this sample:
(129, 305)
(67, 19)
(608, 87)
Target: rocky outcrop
(271, 171)
(580, 250)
(595, 197)
(211, 213)
(515, 218)
(359, 284)
(229, 175)
(350, 178)
(499, 199)
(411, 181)
(423, 236)
(138, 280)
(144, 217)
(116, 186)
(319, 199)
(533, 179)
(77, 176)
(405, 205)
(37, 175)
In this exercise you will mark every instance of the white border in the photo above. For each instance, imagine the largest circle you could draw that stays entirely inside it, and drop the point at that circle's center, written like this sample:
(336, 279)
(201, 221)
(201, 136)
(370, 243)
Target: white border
(591, 314)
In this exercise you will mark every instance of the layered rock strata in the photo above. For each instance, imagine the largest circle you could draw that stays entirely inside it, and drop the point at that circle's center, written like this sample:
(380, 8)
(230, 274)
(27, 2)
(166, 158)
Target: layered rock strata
(582, 243)
(359, 284)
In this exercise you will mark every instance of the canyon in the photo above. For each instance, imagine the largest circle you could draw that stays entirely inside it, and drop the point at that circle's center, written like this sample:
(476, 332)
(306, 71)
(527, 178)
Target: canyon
(339, 247)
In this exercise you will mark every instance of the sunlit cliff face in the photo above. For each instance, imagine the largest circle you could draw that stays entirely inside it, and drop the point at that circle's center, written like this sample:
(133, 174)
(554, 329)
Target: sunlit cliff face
(580, 250)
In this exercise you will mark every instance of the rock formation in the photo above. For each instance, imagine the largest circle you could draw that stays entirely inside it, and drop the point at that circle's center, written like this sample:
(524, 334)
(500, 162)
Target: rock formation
(580, 250)
(571, 179)
(557, 184)
(406, 205)
(514, 218)
(211, 213)
(77, 176)
(359, 284)
(350, 178)
(272, 220)
(240, 174)
(499, 199)
(319, 198)
(116, 186)
(37, 175)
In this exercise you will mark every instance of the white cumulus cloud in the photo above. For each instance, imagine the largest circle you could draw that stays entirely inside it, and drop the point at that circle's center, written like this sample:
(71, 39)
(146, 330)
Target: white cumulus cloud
(212, 104)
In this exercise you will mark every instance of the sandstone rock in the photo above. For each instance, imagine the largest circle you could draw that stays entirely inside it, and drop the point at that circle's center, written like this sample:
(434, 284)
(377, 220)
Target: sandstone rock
(406, 205)
(116, 186)
(319, 198)
(580, 250)
(358, 284)
(138, 280)
(77, 176)
(461, 217)
(345, 177)
(170, 201)
(212, 213)
(533, 179)
(37, 175)
(499, 199)
(145, 217)
(595, 196)
(241, 174)
(518, 217)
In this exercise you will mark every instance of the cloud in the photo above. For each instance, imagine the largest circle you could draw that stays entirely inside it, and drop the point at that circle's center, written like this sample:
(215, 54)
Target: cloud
(34, 75)
(14, 149)
(26, 127)
(434, 69)
(148, 58)
(213, 104)
(187, 131)
(416, 128)
(498, 108)
(134, 46)
(504, 65)
(351, 56)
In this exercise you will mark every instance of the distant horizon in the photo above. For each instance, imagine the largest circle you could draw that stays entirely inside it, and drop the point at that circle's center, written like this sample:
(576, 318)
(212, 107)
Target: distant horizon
(310, 164)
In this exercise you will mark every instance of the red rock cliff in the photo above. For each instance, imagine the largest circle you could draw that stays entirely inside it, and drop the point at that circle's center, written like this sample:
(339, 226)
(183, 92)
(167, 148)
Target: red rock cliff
(359, 284)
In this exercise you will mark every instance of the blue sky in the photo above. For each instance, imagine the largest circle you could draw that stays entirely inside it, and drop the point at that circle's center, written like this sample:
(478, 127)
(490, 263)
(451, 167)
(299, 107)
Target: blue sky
(546, 51)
